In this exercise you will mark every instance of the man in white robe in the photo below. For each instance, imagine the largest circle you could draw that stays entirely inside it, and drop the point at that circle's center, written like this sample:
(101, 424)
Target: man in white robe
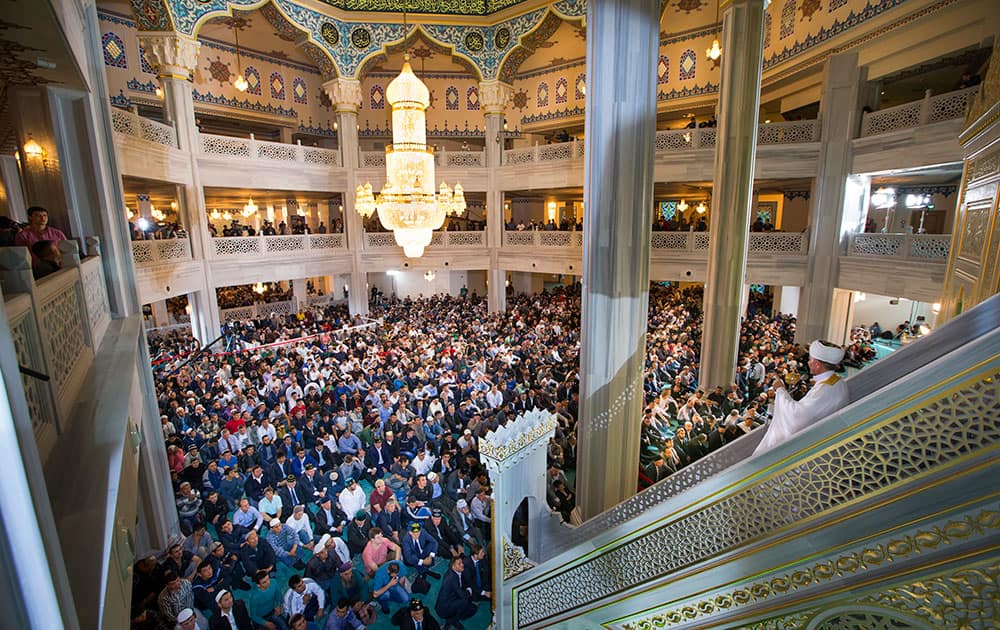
(828, 394)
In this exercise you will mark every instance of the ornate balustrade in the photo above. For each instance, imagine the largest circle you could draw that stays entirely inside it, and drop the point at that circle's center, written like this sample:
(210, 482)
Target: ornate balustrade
(156, 252)
(258, 311)
(442, 158)
(851, 497)
(55, 322)
(132, 124)
(253, 149)
(381, 240)
(762, 243)
(930, 109)
(275, 246)
(927, 247)
(671, 140)
(542, 238)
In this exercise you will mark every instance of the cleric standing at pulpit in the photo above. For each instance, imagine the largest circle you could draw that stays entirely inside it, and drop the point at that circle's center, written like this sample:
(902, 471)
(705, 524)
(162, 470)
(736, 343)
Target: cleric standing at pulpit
(828, 394)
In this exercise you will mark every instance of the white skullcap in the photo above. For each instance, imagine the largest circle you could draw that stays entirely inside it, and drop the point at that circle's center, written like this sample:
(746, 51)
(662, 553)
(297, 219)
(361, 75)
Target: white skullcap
(185, 615)
(831, 354)
(221, 593)
(323, 542)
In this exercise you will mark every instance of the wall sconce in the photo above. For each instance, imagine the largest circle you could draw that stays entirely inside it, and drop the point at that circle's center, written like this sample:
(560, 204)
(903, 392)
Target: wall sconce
(429, 276)
(32, 149)
(159, 92)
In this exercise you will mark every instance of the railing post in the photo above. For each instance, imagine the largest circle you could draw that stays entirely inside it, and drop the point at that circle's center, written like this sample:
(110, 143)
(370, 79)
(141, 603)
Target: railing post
(925, 108)
(907, 242)
(696, 138)
(70, 253)
(537, 156)
(93, 244)
(253, 148)
(440, 157)
(300, 154)
(15, 269)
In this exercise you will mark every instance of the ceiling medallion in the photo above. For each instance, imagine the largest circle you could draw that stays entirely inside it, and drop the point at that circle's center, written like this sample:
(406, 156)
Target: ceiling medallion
(361, 38)
(501, 38)
(330, 33)
(474, 41)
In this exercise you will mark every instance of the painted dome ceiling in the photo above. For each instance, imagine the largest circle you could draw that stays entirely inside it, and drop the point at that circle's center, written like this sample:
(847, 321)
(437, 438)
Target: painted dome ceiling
(439, 7)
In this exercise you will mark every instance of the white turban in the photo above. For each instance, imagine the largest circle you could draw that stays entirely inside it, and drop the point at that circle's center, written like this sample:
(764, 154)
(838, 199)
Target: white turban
(831, 354)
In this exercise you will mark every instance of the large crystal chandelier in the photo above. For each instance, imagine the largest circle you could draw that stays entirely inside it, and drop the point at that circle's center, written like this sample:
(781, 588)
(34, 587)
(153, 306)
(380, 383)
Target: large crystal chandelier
(407, 204)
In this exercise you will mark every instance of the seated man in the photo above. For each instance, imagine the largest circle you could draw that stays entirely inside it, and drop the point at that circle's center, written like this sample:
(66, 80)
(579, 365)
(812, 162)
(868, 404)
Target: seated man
(343, 618)
(304, 597)
(299, 523)
(477, 574)
(256, 556)
(420, 551)
(285, 543)
(264, 603)
(454, 602)
(377, 550)
(413, 616)
(46, 258)
(389, 586)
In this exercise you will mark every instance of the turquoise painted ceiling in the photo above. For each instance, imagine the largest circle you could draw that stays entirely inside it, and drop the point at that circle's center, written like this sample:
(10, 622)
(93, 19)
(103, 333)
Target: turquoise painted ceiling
(440, 7)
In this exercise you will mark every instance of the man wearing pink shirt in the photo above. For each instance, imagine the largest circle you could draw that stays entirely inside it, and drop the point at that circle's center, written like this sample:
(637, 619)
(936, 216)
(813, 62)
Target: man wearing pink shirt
(38, 229)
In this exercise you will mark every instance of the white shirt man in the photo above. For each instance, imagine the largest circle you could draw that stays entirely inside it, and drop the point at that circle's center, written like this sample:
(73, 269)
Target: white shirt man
(352, 498)
(828, 395)
(299, 522)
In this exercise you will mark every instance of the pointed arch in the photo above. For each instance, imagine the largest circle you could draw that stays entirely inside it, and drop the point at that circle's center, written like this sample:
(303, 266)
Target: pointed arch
(417, 35)
(281, 22)
(530, 41)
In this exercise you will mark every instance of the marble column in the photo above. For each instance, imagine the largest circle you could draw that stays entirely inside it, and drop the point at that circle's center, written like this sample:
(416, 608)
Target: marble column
(836, 202)
(622, 44)
(174, 57)
(345, 94)
(736, 143)
(10, 177)
(495, 97)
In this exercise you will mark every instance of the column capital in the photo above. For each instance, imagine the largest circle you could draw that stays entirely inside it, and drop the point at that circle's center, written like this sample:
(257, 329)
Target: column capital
(171, 54)
(495, 96)
(344, 93)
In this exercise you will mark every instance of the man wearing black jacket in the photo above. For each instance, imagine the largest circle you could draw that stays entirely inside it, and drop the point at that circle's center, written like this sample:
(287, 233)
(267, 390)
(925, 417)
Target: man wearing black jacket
(231, 614)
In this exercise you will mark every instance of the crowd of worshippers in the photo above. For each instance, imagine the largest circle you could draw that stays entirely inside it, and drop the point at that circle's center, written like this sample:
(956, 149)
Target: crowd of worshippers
(682, 423)
(267, 445)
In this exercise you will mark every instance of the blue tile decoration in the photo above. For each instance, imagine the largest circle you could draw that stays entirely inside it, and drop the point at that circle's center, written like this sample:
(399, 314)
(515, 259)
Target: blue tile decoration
(300, 93)
(695, 90)
(688, 65)
(787, 19)
(277, 84)
(149, 87)
(252, 76)
(472, 98)
(553, 115)
(114, 50)
(316, 130)
(377, 97)
(245, 104)
(663, 70)
(580, 87)
(872, 10)
(768, 27)
(121, 100)
(562, 90)
(576, 63)
(542, 95)
(451, 98)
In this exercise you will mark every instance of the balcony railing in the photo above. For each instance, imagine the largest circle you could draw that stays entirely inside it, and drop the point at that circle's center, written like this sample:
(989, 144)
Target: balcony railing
(56, 322)
(384, 240)
(156, 252)
(256, 246)
(930, 109)
(927, 247)
(132, 124)
(442, 157)
(542, 238)
(258, 311)
(253, 149)
(671, 140)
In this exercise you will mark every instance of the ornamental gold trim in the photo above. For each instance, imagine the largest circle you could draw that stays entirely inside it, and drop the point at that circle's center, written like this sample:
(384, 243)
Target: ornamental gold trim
(948, 425)
(868, 558)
